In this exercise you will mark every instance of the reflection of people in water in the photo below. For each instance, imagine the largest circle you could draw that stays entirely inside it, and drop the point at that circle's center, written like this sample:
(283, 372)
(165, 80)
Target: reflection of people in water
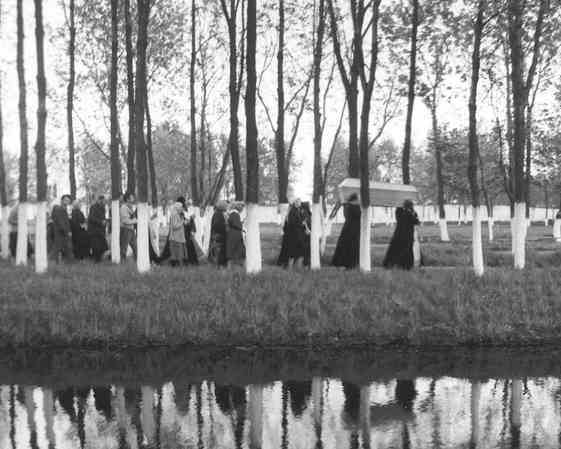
(102, 397)
(405, 394)
(232, 401)
(351, 412)
(182, 397)
(300, 393)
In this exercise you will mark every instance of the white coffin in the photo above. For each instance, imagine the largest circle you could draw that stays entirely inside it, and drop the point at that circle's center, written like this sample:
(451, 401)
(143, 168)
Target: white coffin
(382, 194)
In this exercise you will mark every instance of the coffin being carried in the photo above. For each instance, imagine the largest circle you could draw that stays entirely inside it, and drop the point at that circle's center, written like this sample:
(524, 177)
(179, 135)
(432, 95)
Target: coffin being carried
(382, 194)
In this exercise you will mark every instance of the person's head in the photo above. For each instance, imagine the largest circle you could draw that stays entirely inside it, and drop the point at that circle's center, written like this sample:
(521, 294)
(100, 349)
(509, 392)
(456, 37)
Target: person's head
(178, 206)
(128, 197)
(297, 202)
(352, 198)
(101, 200)
(237, 206)
(76, 204)
(408, 204)
(181, 199)
(222, 206)
(66, 200)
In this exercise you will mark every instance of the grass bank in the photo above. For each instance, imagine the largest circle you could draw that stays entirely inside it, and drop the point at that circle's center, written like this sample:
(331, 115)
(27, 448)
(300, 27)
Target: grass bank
(83, 305)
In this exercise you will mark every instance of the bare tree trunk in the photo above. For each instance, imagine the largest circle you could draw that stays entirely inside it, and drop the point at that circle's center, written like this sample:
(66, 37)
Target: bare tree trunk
(21, 252)
(253, 261)
(70, 100)
(315, 262)
(411, 93)
(131, 178)
(143, 258)
(528, 174)
(150, 154)
(41, 167)
(202, 130)
(234, 89)
(4, 227)
(477, 243)
(114, 145)
(439, 180)
(280, 149)
(193, 118)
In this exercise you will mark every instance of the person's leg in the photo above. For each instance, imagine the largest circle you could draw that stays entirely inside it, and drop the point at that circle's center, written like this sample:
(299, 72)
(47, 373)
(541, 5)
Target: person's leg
(132, 243)
(123, 243)
(13, 243)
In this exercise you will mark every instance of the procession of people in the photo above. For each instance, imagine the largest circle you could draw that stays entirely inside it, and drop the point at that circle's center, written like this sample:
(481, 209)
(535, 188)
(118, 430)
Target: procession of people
(72, 236)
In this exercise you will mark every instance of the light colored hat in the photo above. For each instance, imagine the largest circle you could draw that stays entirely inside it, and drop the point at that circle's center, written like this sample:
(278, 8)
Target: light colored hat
(222, 205)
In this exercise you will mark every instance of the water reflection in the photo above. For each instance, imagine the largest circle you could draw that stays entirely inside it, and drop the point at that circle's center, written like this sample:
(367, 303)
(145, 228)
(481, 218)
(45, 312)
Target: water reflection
(441, 412)
(411, 401)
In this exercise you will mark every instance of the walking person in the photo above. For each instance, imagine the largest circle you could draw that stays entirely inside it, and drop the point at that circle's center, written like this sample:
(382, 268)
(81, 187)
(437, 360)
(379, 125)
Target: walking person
(128, 222)
(348, 245)
(96, 229)
(400, 252)
(235, 247)
(192, 255)
(178, 252)
(217, 250)
(80, 237)
(62, 233)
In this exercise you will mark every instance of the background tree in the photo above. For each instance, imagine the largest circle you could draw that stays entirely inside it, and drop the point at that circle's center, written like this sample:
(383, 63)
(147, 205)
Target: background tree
(142, 259)
(21, 251)
(193, 105)
(41, 167)
(233, 15)
(411, 91)
(253, 260)
(131, 179)
(114, 145)
(71, 22)
(4, 227)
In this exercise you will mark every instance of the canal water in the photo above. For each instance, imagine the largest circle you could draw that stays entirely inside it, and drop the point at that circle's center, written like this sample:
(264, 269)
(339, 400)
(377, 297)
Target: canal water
(281, 399)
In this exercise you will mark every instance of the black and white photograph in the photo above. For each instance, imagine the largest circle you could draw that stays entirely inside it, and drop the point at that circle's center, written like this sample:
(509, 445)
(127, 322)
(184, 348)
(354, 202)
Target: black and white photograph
(280, 224)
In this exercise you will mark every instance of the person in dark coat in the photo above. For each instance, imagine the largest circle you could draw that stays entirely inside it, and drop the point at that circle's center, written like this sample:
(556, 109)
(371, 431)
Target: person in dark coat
(96, 229)
(190, 228)
(217, 252)
(62, 244)
(400, 251)
(235, 247)
(297, 233)
(348, 246)
(80, 238)
(308, 238)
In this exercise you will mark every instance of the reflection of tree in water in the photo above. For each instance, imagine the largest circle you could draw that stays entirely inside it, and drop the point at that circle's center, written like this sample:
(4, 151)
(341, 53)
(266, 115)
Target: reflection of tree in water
(232, 402)
(351, 411)
(66, 399)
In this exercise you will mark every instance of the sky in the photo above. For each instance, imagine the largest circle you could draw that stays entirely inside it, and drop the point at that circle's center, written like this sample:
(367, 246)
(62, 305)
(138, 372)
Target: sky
(88, 105)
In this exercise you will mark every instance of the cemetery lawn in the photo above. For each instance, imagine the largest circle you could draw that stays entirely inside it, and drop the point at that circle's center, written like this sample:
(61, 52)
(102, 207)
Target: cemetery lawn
(103, 306)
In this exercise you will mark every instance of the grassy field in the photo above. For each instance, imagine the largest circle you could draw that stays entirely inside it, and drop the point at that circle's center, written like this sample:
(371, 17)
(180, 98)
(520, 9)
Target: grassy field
(86, 305)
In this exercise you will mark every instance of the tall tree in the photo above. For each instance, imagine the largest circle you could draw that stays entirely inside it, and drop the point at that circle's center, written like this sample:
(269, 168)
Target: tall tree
(350, 83)
(521, 87)
(193, 105)
(21, 251)
(131, 179)
(70, 97)
(366, 73)
(406, 156)
(477, 243)
(253, 260)
(318, 134)
(280, 147)
(150, 154)
(114, 144)
(4, 229)
(41, 167)
(236, 69)
(143, 258)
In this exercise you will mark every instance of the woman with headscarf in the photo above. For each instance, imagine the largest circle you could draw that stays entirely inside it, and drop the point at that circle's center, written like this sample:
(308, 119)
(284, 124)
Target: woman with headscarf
(80, 238)
(296, 234)
(217, 251)
(348, 246)
(400, 251)
(235, 247)
(96, 229)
